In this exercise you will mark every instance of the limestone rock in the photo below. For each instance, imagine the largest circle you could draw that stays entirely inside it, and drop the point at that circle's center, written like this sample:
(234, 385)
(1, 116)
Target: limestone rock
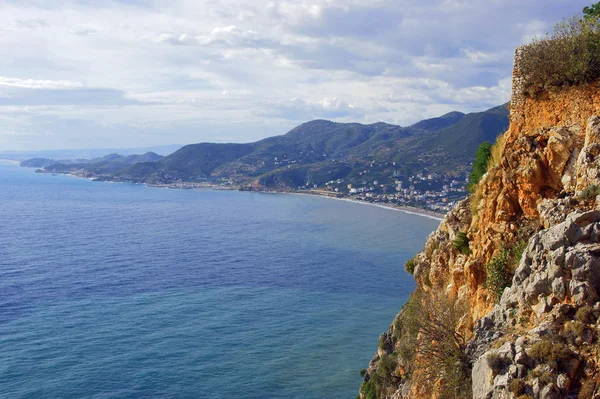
(588, 167)
(482, 376)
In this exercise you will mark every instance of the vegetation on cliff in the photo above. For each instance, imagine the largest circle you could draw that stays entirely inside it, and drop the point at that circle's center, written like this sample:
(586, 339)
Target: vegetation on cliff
(569, 56)
(480, 166)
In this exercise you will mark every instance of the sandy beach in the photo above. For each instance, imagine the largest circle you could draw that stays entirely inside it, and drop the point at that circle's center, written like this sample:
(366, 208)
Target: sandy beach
(409, 210)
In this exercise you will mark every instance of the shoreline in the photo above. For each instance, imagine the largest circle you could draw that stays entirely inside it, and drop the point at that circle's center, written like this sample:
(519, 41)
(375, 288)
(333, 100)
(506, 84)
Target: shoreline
(10, 161)
(406, 209)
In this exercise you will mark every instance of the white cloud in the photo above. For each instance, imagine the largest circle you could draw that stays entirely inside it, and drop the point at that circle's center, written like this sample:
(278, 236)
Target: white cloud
(175, 71)
(38, 84)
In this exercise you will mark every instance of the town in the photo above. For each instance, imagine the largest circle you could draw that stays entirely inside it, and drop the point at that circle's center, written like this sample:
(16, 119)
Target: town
(426, 190)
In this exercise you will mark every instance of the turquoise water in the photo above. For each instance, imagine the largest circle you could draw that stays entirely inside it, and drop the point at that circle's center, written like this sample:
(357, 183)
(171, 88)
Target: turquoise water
(123, 291)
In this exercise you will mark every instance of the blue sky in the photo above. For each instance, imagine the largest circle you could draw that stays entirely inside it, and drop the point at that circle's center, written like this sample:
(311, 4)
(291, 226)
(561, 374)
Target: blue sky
(88, 74)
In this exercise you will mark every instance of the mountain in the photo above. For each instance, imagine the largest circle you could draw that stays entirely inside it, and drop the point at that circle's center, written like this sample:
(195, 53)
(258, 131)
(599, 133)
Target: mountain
(320, 150)
(439, 123)
(455, 145)
(108, 164)
(89, 153)
(191, 163)
(312, 153)
(43, 162)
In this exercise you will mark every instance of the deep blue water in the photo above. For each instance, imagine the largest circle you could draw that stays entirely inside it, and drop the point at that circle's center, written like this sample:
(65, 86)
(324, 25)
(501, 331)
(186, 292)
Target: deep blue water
(123, 291)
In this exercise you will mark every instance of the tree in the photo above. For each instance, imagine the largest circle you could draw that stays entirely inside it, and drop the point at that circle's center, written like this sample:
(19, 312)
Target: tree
(480, 166)
(432, 344)
(592, 12)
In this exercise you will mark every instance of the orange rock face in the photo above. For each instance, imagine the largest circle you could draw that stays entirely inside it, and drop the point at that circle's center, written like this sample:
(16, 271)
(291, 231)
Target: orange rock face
(551, 150)
(542, 159)
(549, 157)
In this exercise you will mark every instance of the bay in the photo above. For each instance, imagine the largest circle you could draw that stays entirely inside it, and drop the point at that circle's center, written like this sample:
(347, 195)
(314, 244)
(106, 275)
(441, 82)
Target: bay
(123, 291)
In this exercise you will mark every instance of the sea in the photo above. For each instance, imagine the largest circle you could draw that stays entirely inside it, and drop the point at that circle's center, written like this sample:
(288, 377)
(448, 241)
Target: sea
(123, 291)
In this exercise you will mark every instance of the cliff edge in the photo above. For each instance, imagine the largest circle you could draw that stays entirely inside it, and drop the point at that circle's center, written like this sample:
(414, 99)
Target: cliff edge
(508, 287)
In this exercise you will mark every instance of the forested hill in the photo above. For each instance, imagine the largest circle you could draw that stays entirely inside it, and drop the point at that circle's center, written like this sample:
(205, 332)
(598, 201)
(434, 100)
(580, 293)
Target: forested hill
(312, 153)
(320, 150)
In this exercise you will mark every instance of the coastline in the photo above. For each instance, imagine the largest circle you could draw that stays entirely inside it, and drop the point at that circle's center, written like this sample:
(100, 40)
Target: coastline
(10, 161)
(406, 209)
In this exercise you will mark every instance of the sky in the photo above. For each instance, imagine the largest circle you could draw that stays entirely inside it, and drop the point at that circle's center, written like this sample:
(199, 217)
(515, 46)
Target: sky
(133, 73)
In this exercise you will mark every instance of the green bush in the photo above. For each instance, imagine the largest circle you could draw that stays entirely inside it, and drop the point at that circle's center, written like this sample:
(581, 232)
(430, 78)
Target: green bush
(369, 390)
(570, 56)
(406, 328)
(410, 266)
(516, 252)
(585, 314)
(497, 275)
(381, 344)
(461, 243)
(590, 193)
(386, 369)
(480, 166)
(363, 372)
(548, 352)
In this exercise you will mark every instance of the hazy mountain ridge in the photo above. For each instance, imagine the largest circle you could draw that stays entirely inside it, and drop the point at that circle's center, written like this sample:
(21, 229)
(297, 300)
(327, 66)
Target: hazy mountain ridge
(323, 149)
(107, 164)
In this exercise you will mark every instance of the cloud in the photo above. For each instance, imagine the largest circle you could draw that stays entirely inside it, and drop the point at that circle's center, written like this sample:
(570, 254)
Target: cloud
(84, 30)
(298, 110)
(231, 36)
(38, 84)
(72, 96)
(145, 72)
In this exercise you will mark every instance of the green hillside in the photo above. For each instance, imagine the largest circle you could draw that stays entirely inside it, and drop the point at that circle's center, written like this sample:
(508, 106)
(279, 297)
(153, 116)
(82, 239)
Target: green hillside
(314, 153)
(108, 164)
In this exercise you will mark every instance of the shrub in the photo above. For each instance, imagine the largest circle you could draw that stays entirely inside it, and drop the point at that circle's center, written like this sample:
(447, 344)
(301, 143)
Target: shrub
(585, 314)
(475, 199)
(570, 56)
(387, 368)
(486, 157)
(497, 363)
(590, 193)
(427, 280)
(410, 266)
(496, 152)
(406, 329)
(516, 253)
(542, 374)
(548, 352)
(363, 372)
(497, 275)
(480, 166)
(517, 387)
(441, 349)
(574, 330)
(369, 390)
(384, 376)
(588, 388)
(461, 243)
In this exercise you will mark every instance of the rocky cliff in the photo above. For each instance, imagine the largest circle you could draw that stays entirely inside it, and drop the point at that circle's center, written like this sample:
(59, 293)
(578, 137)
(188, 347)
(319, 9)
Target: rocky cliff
(508, 287)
